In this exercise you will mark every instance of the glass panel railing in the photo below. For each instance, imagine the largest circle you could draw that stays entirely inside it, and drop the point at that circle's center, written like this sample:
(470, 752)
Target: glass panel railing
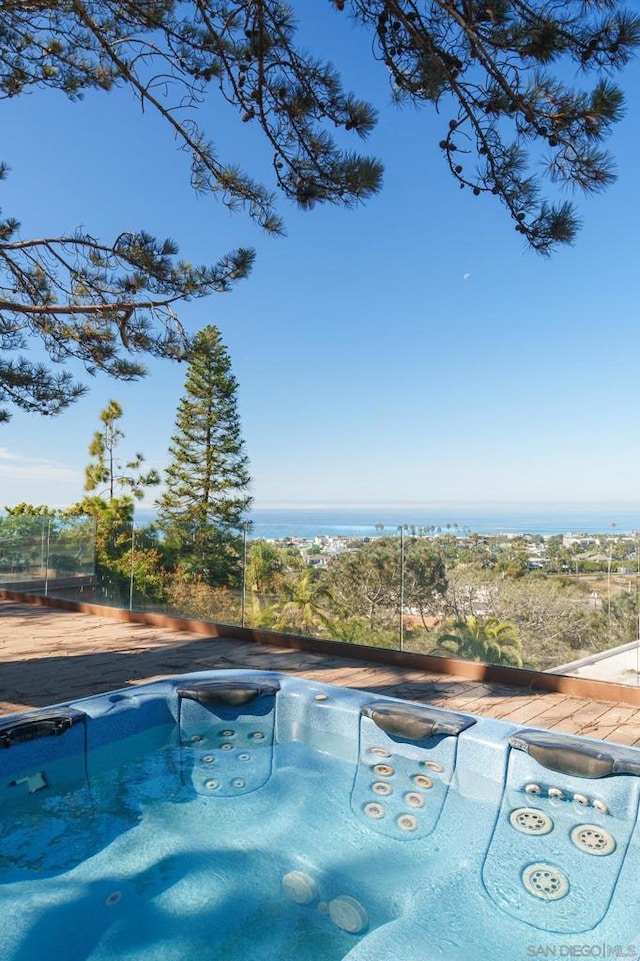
(46, 554)
(547, 603)
(23, 550)
(567, 604)
(137, 569)
(71, 555)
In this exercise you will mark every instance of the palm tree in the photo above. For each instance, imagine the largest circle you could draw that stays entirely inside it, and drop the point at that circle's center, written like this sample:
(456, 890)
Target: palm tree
(302, 610)
(482, 639)
(265, 568)
(261, 615)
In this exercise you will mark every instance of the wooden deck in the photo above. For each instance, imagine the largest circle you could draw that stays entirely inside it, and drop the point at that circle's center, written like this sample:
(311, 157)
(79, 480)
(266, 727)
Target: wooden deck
(49, 655)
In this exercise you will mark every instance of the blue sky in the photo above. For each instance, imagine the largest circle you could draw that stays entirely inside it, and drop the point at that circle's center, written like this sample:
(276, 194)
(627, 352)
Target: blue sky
(410, 350)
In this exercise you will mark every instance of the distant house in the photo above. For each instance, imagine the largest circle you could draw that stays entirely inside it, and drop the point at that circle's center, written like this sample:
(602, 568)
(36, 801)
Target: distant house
(316, 560)
(569, 540)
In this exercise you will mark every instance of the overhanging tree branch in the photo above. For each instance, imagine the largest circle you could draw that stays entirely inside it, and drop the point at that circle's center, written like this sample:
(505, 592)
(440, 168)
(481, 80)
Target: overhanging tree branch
(514, 126)
(488, 63)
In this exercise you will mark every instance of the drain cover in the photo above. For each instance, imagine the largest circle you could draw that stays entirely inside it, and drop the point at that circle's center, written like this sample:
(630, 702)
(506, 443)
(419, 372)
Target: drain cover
(545, 882)
(592, 839)
(300, 887)
(531, 821)
(348, 914)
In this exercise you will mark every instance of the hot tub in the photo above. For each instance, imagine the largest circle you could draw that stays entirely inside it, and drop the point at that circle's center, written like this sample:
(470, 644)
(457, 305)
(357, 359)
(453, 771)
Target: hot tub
(252, 816)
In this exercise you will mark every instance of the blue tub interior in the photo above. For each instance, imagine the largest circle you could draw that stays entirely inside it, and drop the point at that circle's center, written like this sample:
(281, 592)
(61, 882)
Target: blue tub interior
(252, 816)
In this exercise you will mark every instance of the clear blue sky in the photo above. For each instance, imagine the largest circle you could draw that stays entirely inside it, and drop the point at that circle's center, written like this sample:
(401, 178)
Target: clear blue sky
(410, 350)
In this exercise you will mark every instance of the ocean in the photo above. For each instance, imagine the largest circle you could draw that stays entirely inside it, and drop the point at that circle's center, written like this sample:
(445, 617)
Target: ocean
(277, 522)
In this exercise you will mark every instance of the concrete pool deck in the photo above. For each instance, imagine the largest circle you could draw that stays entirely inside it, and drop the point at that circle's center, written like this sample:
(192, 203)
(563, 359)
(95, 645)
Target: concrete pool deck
(48, 655)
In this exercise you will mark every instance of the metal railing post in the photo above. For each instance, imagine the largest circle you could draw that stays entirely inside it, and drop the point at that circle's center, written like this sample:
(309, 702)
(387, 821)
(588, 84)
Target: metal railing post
(402, 526)
(245, 528)
(46, 570)
(133, 541)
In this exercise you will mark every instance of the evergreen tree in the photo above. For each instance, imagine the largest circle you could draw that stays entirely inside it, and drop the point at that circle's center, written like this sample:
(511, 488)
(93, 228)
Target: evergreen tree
(497, 72)
(113, 486)
(105, 469)
(207, 479)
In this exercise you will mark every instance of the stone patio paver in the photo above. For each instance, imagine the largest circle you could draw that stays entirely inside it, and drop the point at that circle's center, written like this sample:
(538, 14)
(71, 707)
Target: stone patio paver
(49, 655)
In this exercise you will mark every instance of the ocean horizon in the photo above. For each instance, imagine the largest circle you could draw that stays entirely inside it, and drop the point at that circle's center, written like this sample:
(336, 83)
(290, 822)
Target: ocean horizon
(278, 521)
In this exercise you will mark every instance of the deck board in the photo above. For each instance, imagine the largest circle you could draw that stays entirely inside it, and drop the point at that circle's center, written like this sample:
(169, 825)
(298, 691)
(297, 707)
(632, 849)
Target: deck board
(49, 655)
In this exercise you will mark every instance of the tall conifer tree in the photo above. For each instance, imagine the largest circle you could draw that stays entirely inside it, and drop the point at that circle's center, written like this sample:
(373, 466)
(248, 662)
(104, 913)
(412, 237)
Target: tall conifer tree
(208, 477)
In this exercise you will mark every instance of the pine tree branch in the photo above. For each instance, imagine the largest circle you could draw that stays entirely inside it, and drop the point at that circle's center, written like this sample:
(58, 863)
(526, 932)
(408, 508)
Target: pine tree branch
(513, 122)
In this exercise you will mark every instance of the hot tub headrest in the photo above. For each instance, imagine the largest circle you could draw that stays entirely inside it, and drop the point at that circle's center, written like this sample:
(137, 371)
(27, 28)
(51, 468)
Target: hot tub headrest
(575, 757)
(47, 723)
(415, 722)
(230, 693)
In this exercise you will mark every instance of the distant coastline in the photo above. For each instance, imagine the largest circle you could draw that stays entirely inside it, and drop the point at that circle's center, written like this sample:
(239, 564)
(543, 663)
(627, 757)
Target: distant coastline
(305, 521)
